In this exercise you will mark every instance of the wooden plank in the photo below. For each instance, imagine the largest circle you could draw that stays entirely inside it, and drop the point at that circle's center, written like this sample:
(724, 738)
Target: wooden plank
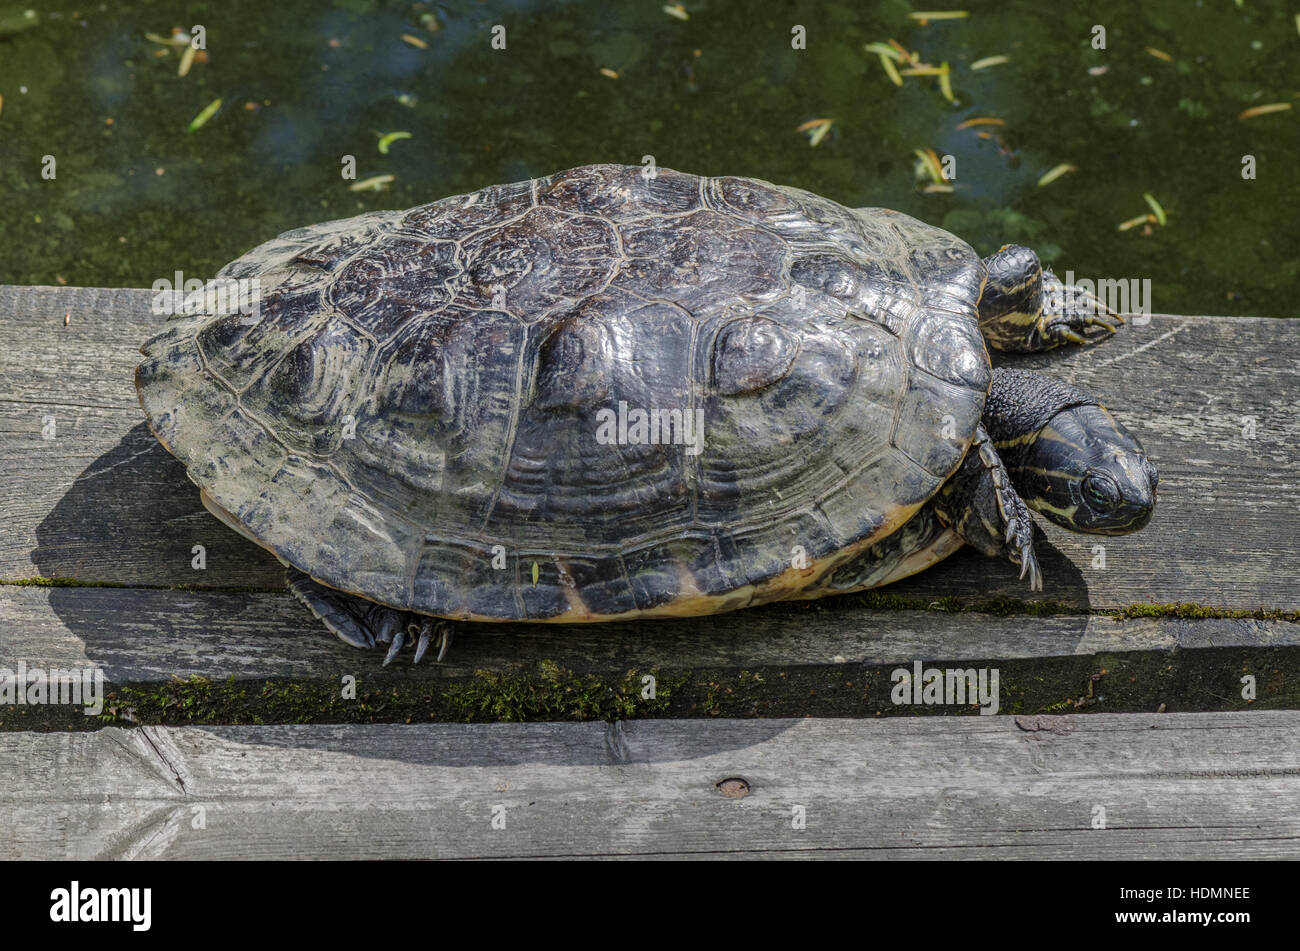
(102, 502)
(1171, 786)
(138, 636)
(262, 658)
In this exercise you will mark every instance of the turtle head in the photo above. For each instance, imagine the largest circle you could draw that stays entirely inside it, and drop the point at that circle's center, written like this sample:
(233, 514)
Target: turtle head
(1067, 456)
(1087, 473)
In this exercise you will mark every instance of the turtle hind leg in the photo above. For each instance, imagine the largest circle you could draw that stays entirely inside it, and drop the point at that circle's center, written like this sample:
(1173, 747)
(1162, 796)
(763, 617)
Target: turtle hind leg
(980, 504)
(1024, 308)
(364, 623)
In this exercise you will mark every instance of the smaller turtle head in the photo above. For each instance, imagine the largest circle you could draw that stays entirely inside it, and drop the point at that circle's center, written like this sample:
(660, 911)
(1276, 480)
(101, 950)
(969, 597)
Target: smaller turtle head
(1087, 473)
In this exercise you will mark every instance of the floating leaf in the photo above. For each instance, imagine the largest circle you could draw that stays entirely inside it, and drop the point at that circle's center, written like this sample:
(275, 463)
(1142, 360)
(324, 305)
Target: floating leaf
(676, 10)
(988, 61)
(910, 57)
(1053, 174)
(980, 120)
(930, 162)
(1265, 110)
(608, 73)
(373, 184)
(923, 71)
(1134, 222)
(816, 129)
(1159, 54)
(925, 16)
(387, 140)
(536, 574)
(208, 112)
(179, 38)
(415, 41)
(1155, 206)
(933, 188)
(891, 70)
(187, 60)
(883, 49)
(945, 82)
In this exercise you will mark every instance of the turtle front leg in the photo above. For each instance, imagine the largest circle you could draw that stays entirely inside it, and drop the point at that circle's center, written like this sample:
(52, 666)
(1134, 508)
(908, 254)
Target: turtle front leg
(363, 623)
(980, 504)
(1024, 308)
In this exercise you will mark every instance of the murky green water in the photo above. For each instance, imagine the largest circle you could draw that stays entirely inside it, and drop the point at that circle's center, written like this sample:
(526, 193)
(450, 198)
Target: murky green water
(136, 197)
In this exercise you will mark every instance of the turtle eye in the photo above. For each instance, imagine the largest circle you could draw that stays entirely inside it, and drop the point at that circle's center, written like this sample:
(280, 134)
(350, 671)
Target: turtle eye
(751, 353)
(1101, 492)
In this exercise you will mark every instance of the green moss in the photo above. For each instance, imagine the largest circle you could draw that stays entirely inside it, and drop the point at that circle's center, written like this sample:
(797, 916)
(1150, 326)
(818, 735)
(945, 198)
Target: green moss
(552, 692)
(1004, 607)
(545, 692)
(1138, 681)
(1191, 610)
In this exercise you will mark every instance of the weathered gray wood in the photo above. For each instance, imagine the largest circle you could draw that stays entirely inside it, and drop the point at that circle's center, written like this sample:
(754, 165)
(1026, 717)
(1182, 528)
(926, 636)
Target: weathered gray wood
(103, 502)
(1171, 786)
(140, 636)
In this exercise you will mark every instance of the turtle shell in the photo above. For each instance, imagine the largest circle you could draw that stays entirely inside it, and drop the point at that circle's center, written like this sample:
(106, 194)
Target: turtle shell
(595, 395)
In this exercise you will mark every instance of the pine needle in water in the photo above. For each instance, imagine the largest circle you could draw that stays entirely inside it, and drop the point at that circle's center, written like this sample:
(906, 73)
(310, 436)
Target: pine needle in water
(1155, 206)
(1056, 172)
(891, 70)
(945, 82)
(925, 16)
(208, 112)
(373, 184)
(1254, 111)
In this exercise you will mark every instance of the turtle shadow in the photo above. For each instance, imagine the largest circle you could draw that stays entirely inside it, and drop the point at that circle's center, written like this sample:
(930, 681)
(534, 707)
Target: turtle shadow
(133, 518)
(978, 581)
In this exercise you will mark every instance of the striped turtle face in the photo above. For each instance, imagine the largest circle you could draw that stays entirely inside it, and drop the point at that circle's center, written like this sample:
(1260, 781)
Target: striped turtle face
(1087, 473)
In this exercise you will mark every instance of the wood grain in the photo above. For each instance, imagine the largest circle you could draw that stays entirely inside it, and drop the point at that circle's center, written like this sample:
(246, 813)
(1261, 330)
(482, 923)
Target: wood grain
(1171, 786)
(140, 636)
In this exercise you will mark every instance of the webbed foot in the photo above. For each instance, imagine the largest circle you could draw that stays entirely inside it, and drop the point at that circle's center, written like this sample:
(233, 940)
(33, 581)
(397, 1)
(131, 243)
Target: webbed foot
(364, 623)
(1024, 308)
(1068, 312)
(981, 505)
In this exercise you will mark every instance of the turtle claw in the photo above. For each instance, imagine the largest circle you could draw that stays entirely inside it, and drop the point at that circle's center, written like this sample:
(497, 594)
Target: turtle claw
(1029, 565)
(422, 645)
(399, 640)
(980, 503)
(1069, 312)
(444, 640)
(1068, 335)
(1110, 320)
(426, 632)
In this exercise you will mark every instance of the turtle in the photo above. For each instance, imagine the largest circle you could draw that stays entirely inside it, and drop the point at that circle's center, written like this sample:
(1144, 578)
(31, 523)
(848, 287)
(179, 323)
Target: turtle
(617, 392)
